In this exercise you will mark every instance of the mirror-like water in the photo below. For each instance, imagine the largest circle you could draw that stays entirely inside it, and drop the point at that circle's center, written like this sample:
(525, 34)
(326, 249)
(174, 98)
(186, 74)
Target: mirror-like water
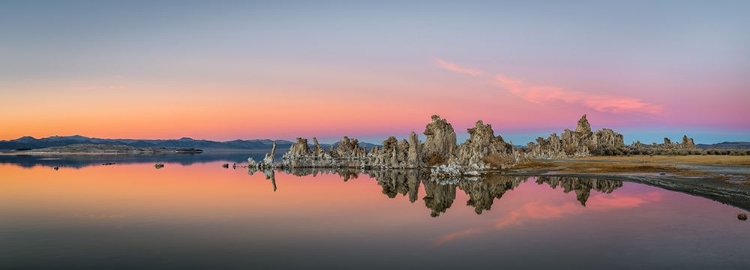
(204, 216)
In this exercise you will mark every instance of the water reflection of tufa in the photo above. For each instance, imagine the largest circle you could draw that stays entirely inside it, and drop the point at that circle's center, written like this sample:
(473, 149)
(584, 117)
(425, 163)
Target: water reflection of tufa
(269, 173)
(582, 186)
(439, 195)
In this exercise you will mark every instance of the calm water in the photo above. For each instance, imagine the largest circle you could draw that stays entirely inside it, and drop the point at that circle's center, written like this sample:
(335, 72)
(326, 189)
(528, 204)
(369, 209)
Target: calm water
(134, 216)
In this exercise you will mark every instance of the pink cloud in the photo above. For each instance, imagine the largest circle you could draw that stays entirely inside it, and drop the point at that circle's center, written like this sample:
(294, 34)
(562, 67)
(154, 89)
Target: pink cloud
(456, 68)
(550, 94)
(455, 235)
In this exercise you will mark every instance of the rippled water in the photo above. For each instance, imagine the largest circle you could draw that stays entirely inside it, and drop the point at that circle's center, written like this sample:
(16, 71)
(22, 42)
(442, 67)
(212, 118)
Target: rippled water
(204, 216)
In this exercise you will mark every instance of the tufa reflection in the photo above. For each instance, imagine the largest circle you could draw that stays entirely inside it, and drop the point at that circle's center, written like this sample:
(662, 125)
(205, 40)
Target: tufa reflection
(482, 191)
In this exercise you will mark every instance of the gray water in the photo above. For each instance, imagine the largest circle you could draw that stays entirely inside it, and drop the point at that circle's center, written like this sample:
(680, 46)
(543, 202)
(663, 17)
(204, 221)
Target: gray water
(133, 216)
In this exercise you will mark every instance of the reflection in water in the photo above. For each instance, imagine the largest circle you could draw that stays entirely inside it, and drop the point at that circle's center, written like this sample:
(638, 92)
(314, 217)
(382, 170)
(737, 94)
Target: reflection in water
(82, 161)
(269, 173)
(439, 196)
(136, 217)
(399, 182)
(483, 193)
(582, 186)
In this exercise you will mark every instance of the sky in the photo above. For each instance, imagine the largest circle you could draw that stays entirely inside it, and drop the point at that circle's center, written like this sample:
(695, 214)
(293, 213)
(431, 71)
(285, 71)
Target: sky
(225, 70)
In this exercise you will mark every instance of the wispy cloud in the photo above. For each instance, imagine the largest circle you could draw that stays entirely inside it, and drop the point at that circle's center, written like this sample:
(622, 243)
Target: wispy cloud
(455, 67)
(550, 94)
(542, 94)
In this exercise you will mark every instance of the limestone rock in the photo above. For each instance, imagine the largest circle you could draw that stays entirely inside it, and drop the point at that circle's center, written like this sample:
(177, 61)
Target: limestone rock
(268, 160)
(687, 143)
(583, 126)
(483, 149)
(440, 143)
(316, 147)
(579, 143)
(413, 159)
(300, 147)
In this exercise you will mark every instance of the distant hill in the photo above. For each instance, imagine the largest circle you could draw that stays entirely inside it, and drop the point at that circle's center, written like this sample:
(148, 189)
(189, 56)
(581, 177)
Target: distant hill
(725, 145)
(56, 141)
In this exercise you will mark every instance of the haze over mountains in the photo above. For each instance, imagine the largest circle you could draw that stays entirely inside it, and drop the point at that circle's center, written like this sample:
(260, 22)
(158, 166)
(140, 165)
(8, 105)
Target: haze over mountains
(28, 142)
(33, 143)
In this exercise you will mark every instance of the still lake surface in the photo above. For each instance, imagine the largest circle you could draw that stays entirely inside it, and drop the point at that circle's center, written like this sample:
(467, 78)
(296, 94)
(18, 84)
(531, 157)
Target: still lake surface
(195, 214)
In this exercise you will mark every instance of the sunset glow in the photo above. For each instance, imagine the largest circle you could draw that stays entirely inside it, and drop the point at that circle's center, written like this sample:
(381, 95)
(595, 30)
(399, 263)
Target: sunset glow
(257, 70)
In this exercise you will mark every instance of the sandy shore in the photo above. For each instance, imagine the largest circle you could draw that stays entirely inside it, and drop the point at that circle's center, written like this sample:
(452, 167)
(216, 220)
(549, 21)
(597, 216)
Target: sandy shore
(725, 179)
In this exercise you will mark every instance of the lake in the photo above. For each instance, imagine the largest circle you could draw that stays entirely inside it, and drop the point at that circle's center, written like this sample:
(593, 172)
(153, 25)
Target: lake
(197, 215)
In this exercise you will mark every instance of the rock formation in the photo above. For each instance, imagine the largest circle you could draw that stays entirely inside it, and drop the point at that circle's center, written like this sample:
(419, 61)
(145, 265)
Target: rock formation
(687, 143)
(579, 143)
(449, 162)
(483, 150)
(301, 147)
(668, 147)
(440, 143)
(268, 160)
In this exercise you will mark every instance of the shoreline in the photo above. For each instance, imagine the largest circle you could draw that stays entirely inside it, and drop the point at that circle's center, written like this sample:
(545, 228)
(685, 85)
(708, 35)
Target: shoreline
(725, 179)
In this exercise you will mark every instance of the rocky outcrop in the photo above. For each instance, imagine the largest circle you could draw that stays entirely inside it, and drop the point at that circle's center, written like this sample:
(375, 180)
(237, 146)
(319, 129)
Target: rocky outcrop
(687, 143)
(668, 147)
(440, 143)
(268, 160)
(579, 143)
(483, 150)
(301, 147)
(450, 162)
(413, 157)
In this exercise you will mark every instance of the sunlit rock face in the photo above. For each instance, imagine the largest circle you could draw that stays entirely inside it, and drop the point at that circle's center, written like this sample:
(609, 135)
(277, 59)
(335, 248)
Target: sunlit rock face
(348, 149)
(579, 143)
(687, 143)
(393, 154)
(300, 148)
(440, 143)
(483, 150)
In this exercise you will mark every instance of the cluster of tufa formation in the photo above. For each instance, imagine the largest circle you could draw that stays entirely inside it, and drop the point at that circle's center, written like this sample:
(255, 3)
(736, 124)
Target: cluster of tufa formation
(449, 161)
(483, 150)
(687, 144)
(579, 143)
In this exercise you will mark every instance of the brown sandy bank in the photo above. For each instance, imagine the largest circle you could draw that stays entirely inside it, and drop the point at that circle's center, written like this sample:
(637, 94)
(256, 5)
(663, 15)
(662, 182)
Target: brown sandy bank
(725, 179)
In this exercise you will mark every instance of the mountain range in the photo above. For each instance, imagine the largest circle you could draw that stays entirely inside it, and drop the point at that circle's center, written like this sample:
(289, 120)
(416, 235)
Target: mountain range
(27, 143)
(725, 145)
